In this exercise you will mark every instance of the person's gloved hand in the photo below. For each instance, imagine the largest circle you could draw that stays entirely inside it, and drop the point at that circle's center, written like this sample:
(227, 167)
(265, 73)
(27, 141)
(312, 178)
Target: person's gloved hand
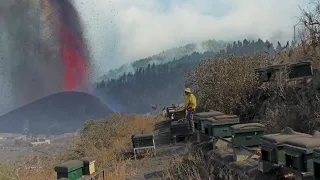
(190, 109)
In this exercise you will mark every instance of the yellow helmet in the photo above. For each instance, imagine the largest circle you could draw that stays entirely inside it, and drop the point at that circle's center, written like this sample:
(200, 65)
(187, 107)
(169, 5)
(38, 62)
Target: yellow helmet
(188, 90)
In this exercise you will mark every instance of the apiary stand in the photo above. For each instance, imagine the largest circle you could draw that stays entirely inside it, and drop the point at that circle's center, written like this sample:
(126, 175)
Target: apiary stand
(179, 129)
(143, 138)
(148, 147)
(252, 150)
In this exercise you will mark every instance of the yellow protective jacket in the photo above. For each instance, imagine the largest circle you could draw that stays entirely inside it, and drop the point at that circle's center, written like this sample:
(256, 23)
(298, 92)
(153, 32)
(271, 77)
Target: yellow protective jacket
(190, 101)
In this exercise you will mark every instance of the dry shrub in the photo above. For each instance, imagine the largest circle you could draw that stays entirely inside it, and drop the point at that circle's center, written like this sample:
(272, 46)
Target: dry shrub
(7, 173)
(109, 142)
(293, 103)
(34, 168)
(122, 170)
(230, 85)
(223, 83)
(44, 173)
(191, 167)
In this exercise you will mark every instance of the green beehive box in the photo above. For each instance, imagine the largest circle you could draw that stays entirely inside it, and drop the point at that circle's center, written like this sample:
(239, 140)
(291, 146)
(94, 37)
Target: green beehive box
(206, 126)
(72, 170)
(299, 154)
(200, 117)
(179, 127)
(221, 128)
(268, 73)
(142, 140)
(272, 151)
(207, 130)
(300, 69)
(316, 163)
(247, 134)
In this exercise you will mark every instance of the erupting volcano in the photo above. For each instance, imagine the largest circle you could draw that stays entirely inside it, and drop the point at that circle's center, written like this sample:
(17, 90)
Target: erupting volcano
(44, 50)
(43, 55)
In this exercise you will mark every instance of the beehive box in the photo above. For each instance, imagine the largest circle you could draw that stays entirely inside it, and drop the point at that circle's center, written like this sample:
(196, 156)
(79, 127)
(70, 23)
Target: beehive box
(247, 134)
(299, 154)
(200, 117)
(300, 69)
(272, 151)
(142, 140)
(71, 170)
(206, 126)
(179, 127)
(270, 72)
(88, 166)
(177, 115)
(221, 128)
(316, 164)
(197, 124)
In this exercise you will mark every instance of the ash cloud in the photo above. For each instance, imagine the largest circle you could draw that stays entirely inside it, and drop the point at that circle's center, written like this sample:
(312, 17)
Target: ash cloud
(122, 31)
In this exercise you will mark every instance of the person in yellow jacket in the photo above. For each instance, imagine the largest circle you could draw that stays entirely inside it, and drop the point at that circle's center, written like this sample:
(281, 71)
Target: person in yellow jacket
(190, 104)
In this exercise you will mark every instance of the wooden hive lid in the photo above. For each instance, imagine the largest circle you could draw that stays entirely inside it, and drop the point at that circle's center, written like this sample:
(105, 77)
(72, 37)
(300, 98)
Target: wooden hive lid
(248, 126)
(305, 142)
(285, 135)
(208, 114)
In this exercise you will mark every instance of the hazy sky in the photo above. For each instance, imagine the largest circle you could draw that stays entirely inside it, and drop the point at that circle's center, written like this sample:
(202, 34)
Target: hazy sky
(125, 30)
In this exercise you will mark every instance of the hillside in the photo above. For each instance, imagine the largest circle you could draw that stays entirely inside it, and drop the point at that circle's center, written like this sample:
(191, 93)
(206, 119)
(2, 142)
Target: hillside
(166, 56)
(58, 113)
(163, 84)
(226, 82)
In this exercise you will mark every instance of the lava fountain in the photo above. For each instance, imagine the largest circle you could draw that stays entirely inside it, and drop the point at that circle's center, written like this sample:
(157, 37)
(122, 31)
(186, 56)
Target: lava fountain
(72, 45)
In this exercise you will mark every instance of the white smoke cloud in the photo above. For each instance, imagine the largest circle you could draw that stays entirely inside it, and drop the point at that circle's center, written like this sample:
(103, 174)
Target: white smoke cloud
(121, 31)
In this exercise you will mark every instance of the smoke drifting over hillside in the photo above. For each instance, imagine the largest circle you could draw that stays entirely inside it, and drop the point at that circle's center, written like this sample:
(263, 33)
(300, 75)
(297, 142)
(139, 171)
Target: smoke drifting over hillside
(121, 31)
(167, 56)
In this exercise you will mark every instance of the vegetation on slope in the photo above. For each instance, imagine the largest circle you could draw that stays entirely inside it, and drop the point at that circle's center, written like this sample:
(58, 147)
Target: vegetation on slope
(167, 56)
(163, 84)
(230, 85)
(107, 141)
(227, 84)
